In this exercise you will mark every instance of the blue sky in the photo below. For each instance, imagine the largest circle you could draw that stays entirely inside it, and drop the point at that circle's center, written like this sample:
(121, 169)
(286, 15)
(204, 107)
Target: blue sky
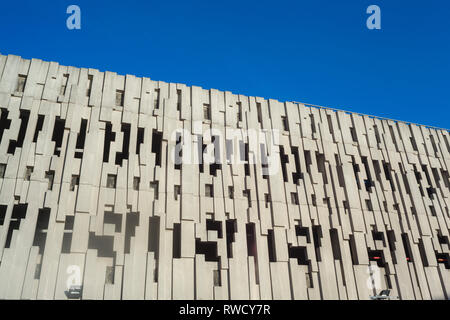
(319, 52)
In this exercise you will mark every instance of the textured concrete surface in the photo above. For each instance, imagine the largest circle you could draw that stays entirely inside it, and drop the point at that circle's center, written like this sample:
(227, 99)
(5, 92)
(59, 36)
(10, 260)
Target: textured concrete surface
(87, 190)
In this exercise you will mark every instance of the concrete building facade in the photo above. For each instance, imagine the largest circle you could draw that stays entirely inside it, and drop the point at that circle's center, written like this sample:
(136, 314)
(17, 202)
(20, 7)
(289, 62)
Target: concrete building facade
(90, 195)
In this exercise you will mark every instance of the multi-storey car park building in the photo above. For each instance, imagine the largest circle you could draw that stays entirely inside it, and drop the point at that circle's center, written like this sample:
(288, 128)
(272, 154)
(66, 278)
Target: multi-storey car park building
(90, 196)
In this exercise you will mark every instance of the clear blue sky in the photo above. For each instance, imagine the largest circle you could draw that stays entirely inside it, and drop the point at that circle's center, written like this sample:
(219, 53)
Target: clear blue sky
(318, 52)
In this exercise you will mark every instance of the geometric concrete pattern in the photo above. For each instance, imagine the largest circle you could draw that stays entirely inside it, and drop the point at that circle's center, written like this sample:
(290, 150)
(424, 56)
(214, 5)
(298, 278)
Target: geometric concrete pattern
(89, 195)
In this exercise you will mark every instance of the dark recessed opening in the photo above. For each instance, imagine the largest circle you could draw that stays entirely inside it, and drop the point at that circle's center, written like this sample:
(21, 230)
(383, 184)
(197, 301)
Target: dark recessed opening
(246, 193)
(213, 167)
(442, 239)
(111, 180)
(89, 87)
(377, 256)
(58, 134)
(62, 89)
(120, 156)
(109, 137)
(4, 122)
(430, 192)
(407, 247)
(132, 220)
(50, 176)
(353, 134)
(113, 218)
(200, 149)
(67, 242)
(264, 161)
(3, 209)
(24, 117)
(251, 239)
(178, 99)
(2, 170)
(297, 175)
(377, 235)
(156, 146)
(68, 223)
(136, 183)
(284, 159)
(313, 124)
(244, 157)
(413, 143)
(335, 244)
(28, 173)
(300, 254)
(154, 185)
(103, 244)
(369, 205)
(206, 111)
(153, 235)
(267, 200)
(178, 153)
(13, 225)
(284, 123)
(308, 160)
(239, 113)
(81, 139)
(433, 211)
(207, 248)
(40, 234)
(214, 226)
(217, 279)
(271, 246)
(231, 192)
(74, 181)
(368, 184)
(19, 213)
(321, 166)
(176, 242)
(156, 101)
(13, 144)
(391, 242)
(139, 140)
(43, 219)
(21, 82)
(209, 190)
(120, 98)
(231, 228)
(423, 255)
(303, 232)
(444, 259)
(353, 252)
(317, 235)
(109, 275)
(258, 111)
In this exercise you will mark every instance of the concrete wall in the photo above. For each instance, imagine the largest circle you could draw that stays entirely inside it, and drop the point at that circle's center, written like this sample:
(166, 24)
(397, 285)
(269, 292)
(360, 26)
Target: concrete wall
(356, 200)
